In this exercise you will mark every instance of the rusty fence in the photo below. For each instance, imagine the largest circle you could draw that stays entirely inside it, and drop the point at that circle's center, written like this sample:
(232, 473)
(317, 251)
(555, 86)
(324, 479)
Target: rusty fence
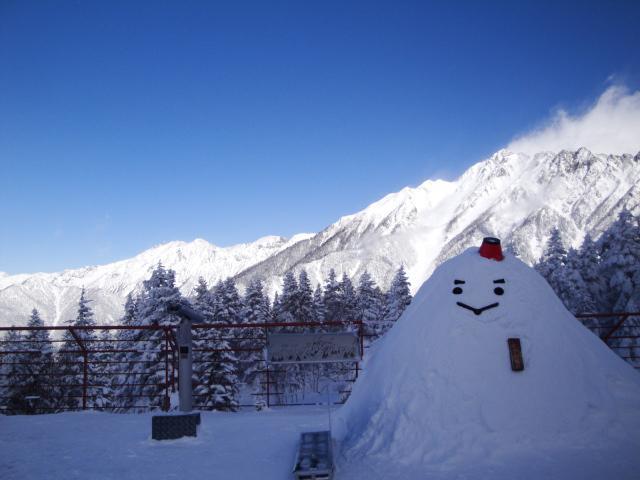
(620, 331)
(135, 368)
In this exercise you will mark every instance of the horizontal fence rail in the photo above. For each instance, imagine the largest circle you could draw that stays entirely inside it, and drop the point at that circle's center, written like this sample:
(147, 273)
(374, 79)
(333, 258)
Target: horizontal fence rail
(138, 370)
(135, 367)
(620, 331)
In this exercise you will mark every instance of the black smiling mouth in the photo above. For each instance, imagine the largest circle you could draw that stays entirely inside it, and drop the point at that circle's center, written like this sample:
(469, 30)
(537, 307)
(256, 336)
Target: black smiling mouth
(477, 311)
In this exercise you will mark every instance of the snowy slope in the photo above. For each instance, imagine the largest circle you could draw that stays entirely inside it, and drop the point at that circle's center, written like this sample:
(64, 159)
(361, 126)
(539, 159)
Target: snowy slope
(514, 196)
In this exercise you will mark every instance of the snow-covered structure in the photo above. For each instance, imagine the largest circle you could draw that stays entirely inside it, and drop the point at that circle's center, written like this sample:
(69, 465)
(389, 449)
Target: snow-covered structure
(439, 389)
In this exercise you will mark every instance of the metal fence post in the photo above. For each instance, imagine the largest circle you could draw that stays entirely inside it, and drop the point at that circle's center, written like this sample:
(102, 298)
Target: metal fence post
(85, 379)
(266, 337)
(166, 403)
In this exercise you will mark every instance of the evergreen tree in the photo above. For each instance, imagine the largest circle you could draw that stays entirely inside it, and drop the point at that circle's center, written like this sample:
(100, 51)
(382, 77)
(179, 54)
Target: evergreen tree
(348, 300)
(228, 302)
(553, 260)
(42, 369)
(319, 311)
(575, 292)
(370, 308)
(398, 298)
(602, 275)
(12, 373)
(620, 267)
(587, 261)
(276, 310)
(620, 257)
(146, 379)
(304, 311)
(332, 300)
(256, 304)
(72, 356)
(102, 372)
(124, 342)
(215, 371)
(288, 300)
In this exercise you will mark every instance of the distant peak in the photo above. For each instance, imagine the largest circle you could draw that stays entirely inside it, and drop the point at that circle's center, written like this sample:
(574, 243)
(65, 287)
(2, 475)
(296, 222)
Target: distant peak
(269, 240)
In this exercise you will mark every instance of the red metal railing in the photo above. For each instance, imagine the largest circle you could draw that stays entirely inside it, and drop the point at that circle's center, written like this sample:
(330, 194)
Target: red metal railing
(67, 386)
(91, 362)
(620, 331)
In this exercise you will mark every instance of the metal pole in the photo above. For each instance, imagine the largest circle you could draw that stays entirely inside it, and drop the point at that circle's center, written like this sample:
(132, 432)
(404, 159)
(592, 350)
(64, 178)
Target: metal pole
(329, 407)
(266, 336)
(84, 381)
(185, 365)
(268, 385)
(167, 402)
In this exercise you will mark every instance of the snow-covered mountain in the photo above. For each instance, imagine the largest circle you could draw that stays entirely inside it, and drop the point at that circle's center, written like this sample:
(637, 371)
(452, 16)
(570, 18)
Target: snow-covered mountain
(56, 295)
(516, 197)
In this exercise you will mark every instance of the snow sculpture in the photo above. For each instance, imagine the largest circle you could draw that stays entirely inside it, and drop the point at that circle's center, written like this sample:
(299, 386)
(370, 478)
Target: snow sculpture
(440, 384)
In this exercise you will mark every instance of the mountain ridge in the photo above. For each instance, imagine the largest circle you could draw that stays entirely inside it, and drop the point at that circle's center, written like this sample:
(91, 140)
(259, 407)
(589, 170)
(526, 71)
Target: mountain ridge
(515, 196)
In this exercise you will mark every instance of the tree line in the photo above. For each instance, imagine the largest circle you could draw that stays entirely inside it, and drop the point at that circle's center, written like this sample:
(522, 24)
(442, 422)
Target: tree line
(38, 377)
(601, 276)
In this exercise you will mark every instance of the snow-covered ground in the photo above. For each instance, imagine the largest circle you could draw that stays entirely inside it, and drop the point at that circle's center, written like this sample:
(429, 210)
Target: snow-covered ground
(101, 446)
(249, 445)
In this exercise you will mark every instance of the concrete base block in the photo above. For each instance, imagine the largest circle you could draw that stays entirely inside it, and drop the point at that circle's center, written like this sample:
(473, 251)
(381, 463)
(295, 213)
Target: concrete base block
(171, 427)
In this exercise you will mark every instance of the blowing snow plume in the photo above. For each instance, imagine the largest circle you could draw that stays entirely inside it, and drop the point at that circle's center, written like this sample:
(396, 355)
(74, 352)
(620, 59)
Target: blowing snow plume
(611, 125)
(441, 389)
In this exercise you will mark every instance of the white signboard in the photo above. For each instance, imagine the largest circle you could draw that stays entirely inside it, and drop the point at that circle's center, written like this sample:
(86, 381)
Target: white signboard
(313, 347)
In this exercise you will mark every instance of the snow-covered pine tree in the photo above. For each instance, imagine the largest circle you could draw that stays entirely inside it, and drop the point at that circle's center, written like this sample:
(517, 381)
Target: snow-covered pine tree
(348, 300)
(71, 359)
(398, 298)
(332, 299)
(588, 263)
(619, 265)
(256, 311)
(319, 311)
(228, 302)
(552, 263)
(288, 299)
(215, 371)
(125, 341)
(287, 379)
(369, 307)
(41, 371)
(304, 308)
(276, 310)
(12, 372)
(256, 303)
(620, 257)
(575, 291)
(147, 366)
(102, 372)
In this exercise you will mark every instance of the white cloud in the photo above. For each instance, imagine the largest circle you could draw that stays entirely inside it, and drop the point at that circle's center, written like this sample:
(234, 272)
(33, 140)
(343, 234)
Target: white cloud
(610, 125)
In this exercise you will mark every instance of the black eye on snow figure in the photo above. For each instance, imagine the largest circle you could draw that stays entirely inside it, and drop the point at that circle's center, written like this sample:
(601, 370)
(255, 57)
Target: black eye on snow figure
(458, 290)
(498, 291)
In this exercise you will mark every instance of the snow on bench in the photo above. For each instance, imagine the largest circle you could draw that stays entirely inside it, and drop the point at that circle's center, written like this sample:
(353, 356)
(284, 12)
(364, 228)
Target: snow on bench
(314, 460)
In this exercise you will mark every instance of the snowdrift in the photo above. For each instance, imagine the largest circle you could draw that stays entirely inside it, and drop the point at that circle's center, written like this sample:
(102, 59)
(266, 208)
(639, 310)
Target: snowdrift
(439, 391)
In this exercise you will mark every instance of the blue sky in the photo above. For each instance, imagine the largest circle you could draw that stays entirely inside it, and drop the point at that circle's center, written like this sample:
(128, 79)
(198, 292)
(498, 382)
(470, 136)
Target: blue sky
(123, 126)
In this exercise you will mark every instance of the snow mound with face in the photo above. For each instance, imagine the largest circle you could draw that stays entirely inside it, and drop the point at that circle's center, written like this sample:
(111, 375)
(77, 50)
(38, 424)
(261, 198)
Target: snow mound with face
(440, 388)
